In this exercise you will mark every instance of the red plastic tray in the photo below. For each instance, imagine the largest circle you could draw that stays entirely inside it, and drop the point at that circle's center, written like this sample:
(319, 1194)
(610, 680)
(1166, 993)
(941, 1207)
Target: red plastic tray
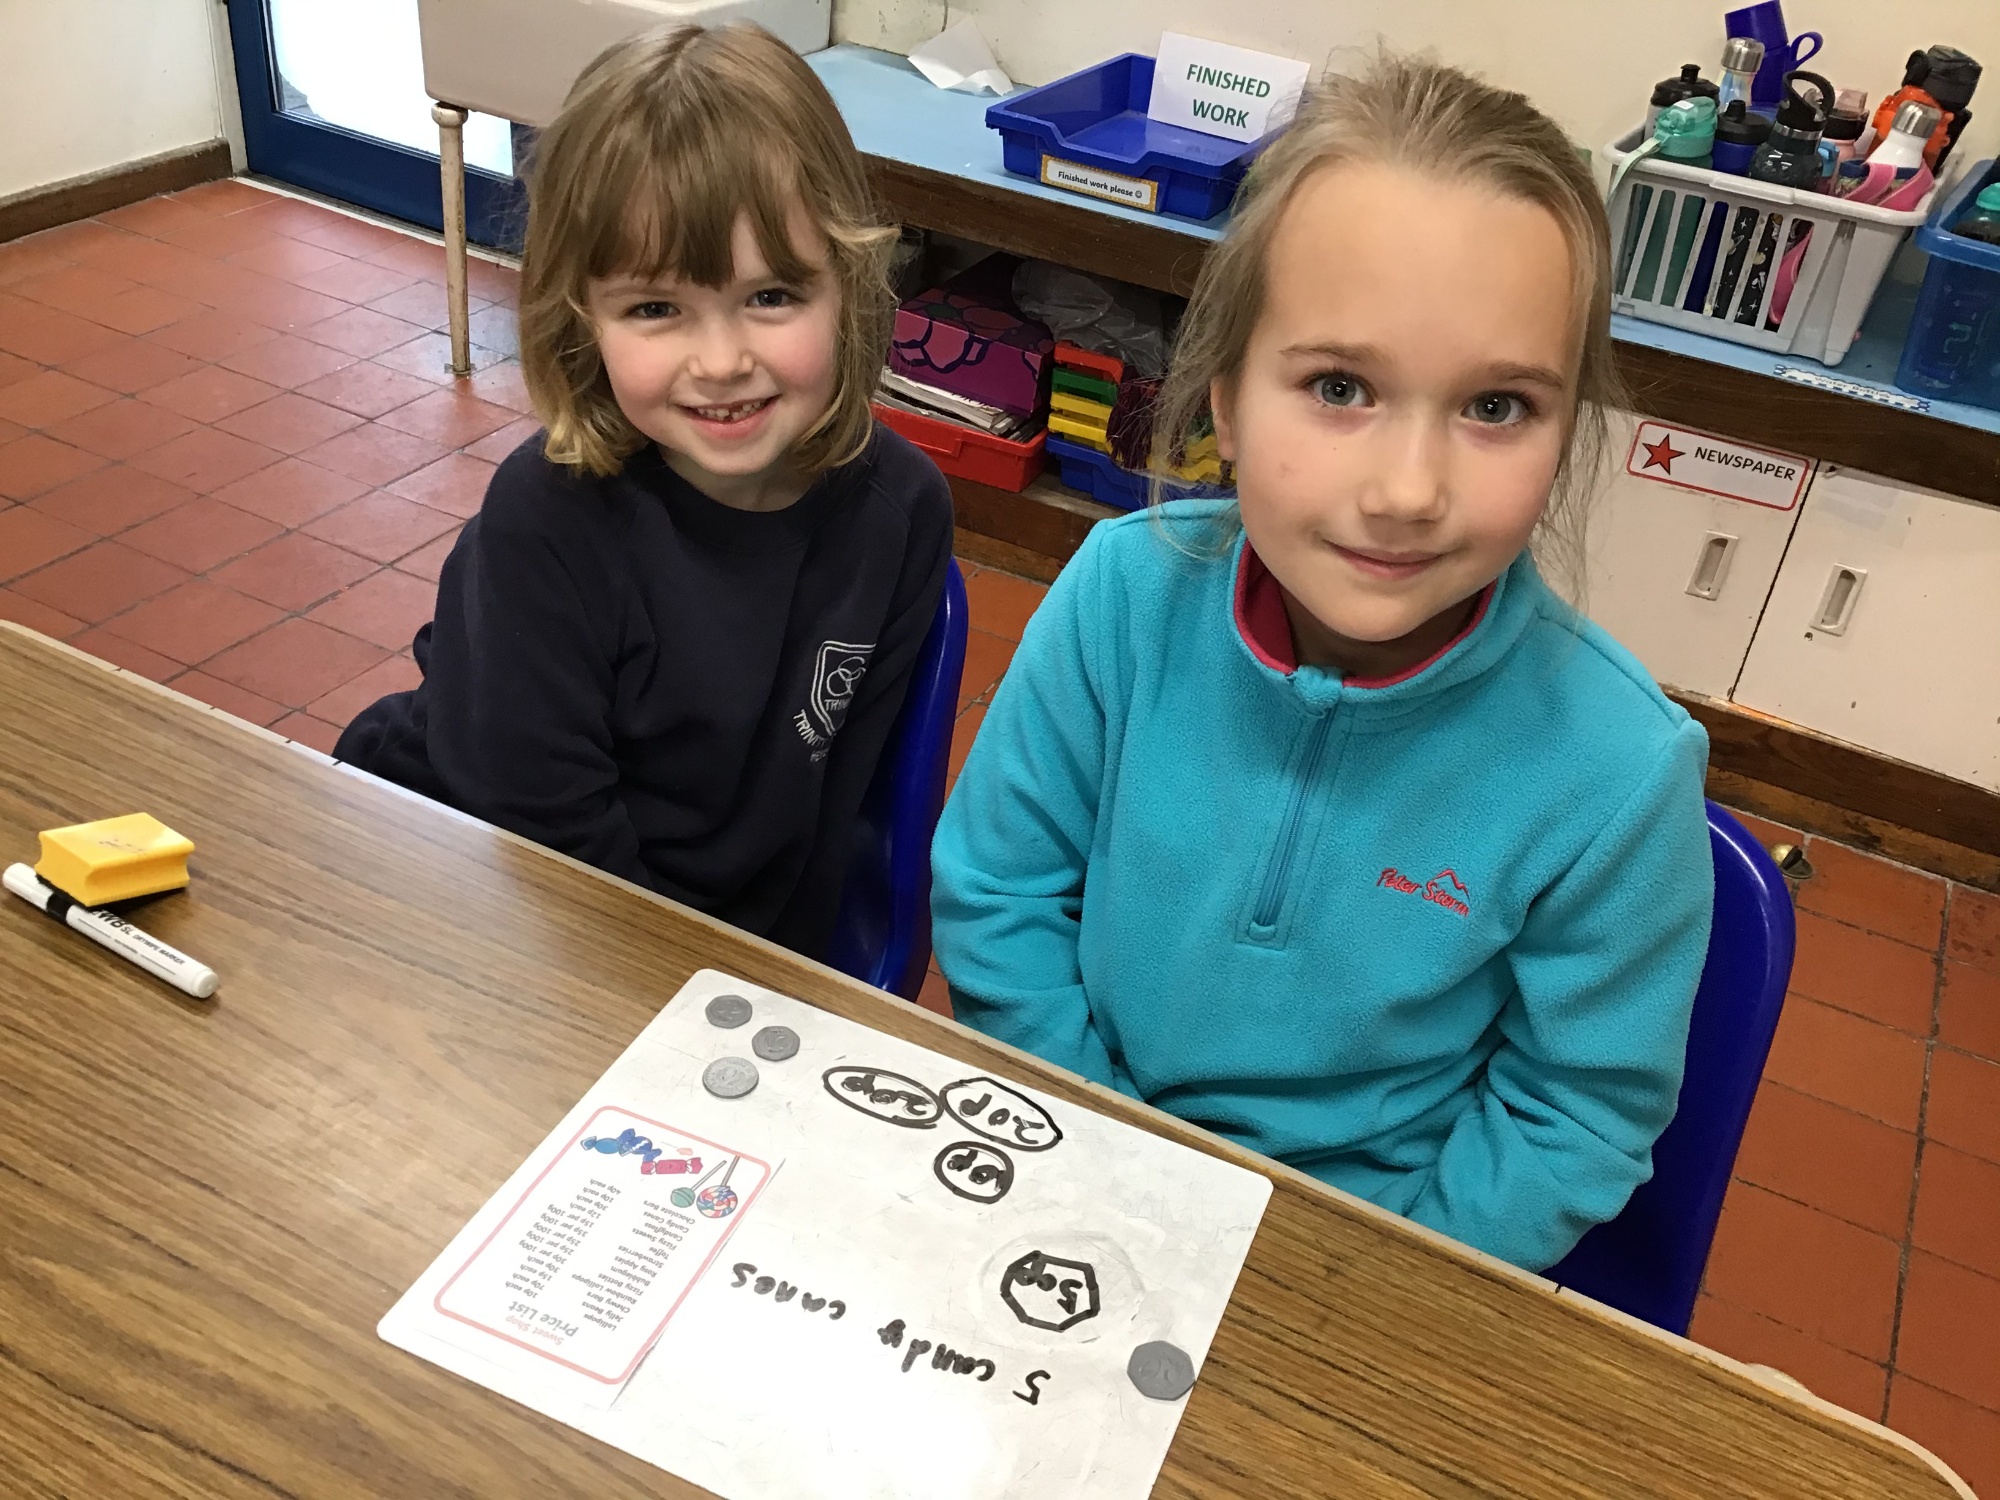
(968, 454)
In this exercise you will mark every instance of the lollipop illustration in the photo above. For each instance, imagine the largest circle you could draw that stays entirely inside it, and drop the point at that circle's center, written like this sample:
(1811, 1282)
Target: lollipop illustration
(718, 1202)
(683, 1197)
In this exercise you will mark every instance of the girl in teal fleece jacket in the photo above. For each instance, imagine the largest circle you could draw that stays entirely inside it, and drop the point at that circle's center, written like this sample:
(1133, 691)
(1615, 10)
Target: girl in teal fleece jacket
(1315, 817)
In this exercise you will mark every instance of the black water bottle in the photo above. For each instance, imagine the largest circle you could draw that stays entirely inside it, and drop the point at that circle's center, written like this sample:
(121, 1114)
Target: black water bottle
(1790, 156)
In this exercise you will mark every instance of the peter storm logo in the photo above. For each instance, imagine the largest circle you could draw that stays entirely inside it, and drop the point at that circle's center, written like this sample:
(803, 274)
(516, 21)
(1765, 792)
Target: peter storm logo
(1442, 889)
(836, 675)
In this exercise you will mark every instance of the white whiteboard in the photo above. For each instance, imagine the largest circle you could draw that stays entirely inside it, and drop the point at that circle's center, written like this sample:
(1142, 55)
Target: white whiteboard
(926, 1283)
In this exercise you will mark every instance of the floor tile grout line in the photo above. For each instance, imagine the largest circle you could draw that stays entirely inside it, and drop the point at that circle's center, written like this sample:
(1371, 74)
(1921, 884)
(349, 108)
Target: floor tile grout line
(1759, 1312)
(1917, 1164)
(1818, 1208)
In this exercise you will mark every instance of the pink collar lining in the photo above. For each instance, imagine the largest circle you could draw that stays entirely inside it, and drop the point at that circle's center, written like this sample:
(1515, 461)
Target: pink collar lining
(1267, 630)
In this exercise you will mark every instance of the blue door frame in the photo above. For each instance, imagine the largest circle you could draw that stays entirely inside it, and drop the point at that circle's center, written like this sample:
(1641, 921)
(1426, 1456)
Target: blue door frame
(354, 168)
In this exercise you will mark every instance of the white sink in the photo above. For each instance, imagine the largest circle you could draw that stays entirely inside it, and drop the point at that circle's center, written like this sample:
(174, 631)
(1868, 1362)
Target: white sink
(517, 58)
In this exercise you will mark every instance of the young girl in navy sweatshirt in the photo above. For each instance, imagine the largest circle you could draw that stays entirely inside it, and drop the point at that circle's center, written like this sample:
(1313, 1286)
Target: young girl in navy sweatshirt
(674, 639)
(1315, 817)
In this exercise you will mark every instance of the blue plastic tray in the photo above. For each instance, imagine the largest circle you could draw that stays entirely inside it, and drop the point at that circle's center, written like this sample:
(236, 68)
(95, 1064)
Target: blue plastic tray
(1098, 477)
(1097, 118)
(1953, 347)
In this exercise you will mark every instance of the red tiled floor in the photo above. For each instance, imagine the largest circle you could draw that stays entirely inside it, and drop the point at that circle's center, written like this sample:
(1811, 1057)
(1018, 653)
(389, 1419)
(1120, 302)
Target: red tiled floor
(50, 337)
(363, 331)
(1867, 974)
(193, 622)
(428, 562)
(285, 258)
(449, 418)
(208, 393)
(212, 335)
(129, 654)
(1829, 1158)
(287, 361)
(1806, 1269)
(154, 215)
(428, 357)
(1950, 1316)
(412, 256)
(109, 500)
(375, 454)
(105, 579)
(1965, 1108)
(290, 423)
(14, 368)
(143, 309)
(503, 385)
(367, 389)
(1001, 602)
(206, 459)
(381, 526)
(398, 674)
(1965, 1436)
(36, 616)
(1872, 1069)
(308, 730)
(1974, 929)
(421, 302)
(29, 538)
(294, 662)
(133, 366)
(29, 465)
(74, 289)
(291, 492)
(986, 658)
(1867, 893)
(44, 399)
(294, 572)
(350, 236)
(1843, 1378)
(1958, 1209)
(356, 281)
(496, 446)
(121, 428)
(228, 697)
(384, 609)
(455, 484)
(1969, 1010)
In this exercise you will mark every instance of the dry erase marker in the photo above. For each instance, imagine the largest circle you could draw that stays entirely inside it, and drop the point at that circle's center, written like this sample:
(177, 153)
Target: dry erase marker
(115, 933)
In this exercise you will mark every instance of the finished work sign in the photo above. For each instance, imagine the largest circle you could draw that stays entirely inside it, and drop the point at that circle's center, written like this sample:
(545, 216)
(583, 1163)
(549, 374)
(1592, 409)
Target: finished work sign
(1223, 90)
(781, 1255)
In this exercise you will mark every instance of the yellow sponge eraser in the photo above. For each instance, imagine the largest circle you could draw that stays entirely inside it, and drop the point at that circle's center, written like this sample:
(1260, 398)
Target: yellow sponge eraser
(114, 859)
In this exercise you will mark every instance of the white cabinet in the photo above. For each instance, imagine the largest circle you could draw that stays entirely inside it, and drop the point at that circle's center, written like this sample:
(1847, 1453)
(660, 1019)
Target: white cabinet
(1883, 628)
(1684, 546)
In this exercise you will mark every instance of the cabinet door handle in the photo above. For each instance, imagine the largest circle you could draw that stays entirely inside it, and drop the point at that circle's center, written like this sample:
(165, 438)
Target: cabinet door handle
(1711, 565)
(1836, 605)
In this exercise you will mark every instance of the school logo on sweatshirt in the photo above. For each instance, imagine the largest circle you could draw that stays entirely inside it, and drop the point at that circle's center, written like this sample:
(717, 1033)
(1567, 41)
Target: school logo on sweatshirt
(837, 672)
(1442, 889)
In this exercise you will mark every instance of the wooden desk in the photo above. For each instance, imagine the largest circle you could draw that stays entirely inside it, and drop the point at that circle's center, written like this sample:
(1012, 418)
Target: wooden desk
(205, 1208)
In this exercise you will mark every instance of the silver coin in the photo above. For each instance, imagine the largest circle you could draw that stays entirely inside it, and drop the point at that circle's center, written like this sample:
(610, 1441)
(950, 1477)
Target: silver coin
(729, 1077)
(728, 1011)
(775, 1043)
(1162, 1371)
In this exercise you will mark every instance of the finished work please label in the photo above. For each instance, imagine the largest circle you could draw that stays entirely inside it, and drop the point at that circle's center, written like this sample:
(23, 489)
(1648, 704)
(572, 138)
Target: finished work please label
(594, 1258)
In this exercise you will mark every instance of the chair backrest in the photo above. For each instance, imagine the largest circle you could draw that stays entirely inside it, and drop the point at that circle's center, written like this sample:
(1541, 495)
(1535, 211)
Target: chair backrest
(1648, 1261)
(883, 934)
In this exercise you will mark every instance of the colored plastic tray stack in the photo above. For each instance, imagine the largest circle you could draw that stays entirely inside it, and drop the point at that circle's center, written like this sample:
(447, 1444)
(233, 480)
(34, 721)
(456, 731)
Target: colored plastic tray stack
(1083, 390)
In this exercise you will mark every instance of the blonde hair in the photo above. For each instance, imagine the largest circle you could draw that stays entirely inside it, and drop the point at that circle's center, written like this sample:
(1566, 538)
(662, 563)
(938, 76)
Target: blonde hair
(663, 143)
(1418, 114)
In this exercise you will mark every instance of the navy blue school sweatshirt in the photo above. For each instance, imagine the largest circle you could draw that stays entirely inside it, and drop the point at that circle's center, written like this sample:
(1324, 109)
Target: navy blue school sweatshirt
(687, 695)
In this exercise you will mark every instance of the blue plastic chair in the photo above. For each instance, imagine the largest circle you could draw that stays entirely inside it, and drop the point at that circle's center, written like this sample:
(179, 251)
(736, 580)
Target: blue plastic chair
(1648, 1261)
(883, 933)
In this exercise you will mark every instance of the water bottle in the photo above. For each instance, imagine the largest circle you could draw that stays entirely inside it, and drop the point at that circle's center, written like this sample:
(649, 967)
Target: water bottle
(1983, 225)
(1742, 56)
(1670, 91)
(1738, 134)
(1790, 158)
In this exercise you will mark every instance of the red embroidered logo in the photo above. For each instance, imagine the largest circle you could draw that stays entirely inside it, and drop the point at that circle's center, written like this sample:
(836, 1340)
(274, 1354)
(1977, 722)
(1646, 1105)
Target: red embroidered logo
(1443, 889)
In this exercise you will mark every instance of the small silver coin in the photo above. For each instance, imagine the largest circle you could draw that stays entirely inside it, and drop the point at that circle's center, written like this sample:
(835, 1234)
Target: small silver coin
(730, 1078)
(775, 1043)
(1162, 1371)
(728, 1011)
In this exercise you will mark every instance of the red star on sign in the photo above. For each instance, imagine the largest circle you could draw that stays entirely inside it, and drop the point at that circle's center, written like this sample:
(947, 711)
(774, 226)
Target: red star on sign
(1662, 453)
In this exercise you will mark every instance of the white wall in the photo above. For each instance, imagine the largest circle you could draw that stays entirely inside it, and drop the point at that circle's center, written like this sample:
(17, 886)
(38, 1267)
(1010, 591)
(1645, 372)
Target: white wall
(90, 84)
(1589, 63)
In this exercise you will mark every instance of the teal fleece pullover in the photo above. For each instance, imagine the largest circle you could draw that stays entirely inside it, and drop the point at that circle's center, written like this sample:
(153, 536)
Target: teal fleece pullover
(1433, 940)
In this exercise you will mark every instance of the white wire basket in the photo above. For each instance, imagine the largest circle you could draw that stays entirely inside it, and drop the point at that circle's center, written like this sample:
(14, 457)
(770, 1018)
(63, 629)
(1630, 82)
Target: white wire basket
(1780, 268)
